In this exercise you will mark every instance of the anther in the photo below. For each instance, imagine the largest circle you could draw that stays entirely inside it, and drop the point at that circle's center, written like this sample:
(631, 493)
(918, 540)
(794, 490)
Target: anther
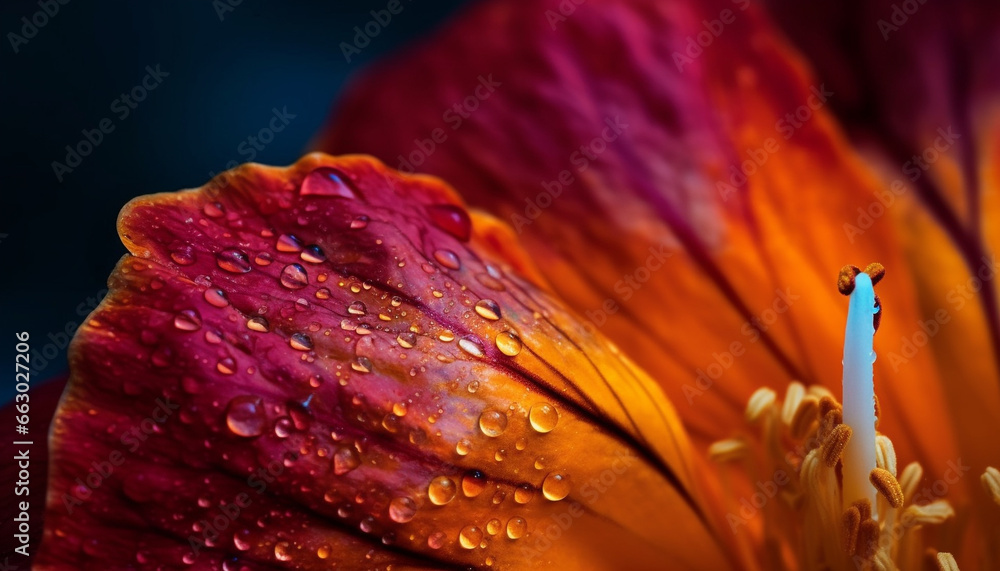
(793, 397)
(934, 513)
(875, 271)
(834, 444)
(852, 522)
(864, 508)
(845, 280)
(878, 411)
(726, 450)
(867, 539)
(804, 417)
(760, 401)
(887, 485)
(991, 483)
(885, 454)
(946, 562)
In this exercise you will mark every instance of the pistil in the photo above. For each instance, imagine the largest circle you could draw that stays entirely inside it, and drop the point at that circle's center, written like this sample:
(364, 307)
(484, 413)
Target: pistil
(859, 394)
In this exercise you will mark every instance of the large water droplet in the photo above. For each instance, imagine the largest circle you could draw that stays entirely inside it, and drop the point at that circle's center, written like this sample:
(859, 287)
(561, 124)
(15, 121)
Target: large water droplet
(360, 223)
(288, 243)
(463, 447)
(470, 536)
(471, 346)
(357, 308)
(216, 297)
(452, 219)
(226, 366)
(300, 342)
(441, 490)
(234, 261)
(448, 259)
(555, 486)
(258, 323)
(524, 493)
(488, 309)
(362, 365)
(245, 416)
(509, 343)
(494, 526)
(183, 256)
(313, 254)
(263, 259)
(516, 527)
(345, 459)
(543, 417)
(187, 320)
(283, 551)
(214, 209)
(326, 181)
(402, 509)
(473, 483)
(492, 422)
(294, 276)
(406, 339)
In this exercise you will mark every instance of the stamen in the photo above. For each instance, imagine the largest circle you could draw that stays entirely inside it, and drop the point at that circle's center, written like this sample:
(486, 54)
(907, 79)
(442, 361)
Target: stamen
(859, 392)
(910, 478)
(864, 507)
(875, 271)
(935, 512)
(804, 417)
(760, 401)
(885, 454)
(793, 396)
(845, 280)
(888, 486)
(727, 450)
(991, 483)
(834, 444)
(867, 539)
(852, 522)
(946, 562)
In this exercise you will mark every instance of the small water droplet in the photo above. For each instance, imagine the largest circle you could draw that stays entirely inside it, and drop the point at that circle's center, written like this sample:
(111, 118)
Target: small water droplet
(524, 493)
(240, 543)
(543, 417)
(187, 320)
(489, 309)
(463, 447)
(323, 293)
(226, 366)
(294, 276)
(402, 509)
(245, 416)
(360, 223)
(521, 443)
(357, 308)
(396, 301)
(300, 342)
(263, 259)
(498, 497)
(324, 551)
(452, 219)
(283, 551)
(500, 455)
(258, 323)
(470, 536)
(326, 181)
(436, 540)
(345, 459)
(283, 427)
(471, 346)
(446, 336)
(313, 254)
(288, 243)
(441, 490)
(492, 423)
(233, 260)
(555, 486)
(216, 297)
(516, 527)
(490, 282)
(362, 365)
(473, 387)
(509, 343)
(214, 209)
(473, 483)
(448, 259)
(399, 409)
(183, 256)
(406, 339)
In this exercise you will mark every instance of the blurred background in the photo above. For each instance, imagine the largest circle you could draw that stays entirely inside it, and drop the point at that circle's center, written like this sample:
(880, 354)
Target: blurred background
(185, 90)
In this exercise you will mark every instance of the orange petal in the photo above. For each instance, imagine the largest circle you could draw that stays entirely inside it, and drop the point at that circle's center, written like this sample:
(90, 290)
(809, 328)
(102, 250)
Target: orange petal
(331, 363)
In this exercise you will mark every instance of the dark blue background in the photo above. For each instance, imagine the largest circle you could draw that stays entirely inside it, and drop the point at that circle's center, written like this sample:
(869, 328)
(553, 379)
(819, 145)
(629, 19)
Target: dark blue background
(225, 77)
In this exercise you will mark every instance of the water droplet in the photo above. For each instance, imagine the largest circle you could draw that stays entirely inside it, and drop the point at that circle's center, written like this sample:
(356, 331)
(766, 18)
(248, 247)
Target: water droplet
(448, 259)
(471, 346)
(283, 551)
(521, 443)
(473, 483)
(162, 357)
(300, 342)
(258, 323)
(492, 423)
(360, 223)
(516, 527)
(323, 551)
(313, 254)
(543, 417)
(240, 543)
(524, 493)
(463, 447)
(402, 509)
(283, 427)
(436, 540)
(473, 387)
(452, 219)
(345, 459)
(216, 297)
(288, 243)
(500, 454)
(294, 276)
(214, 209)
(498, 497)
(183, 256)
(245, 416)
(555, 486)
(441, 490)
(488, 309)
(263, 259)
(187, 320)
(326, 181)
(446, 336)
(390, 422)
(399, 409)
(362, 365)
(406, 339)
(490, 282)
(470, 536)
(226, 366)
(509, 343)
(540, 463)
(357, 308)
(323, 293)
(233, 261)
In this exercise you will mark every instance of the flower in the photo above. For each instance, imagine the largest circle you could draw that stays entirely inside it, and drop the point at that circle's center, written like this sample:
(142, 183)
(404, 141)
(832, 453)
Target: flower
(343, 363)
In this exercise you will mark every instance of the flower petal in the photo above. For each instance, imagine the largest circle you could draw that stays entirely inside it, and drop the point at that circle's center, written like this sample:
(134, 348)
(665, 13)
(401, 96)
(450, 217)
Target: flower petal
(333, 363)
